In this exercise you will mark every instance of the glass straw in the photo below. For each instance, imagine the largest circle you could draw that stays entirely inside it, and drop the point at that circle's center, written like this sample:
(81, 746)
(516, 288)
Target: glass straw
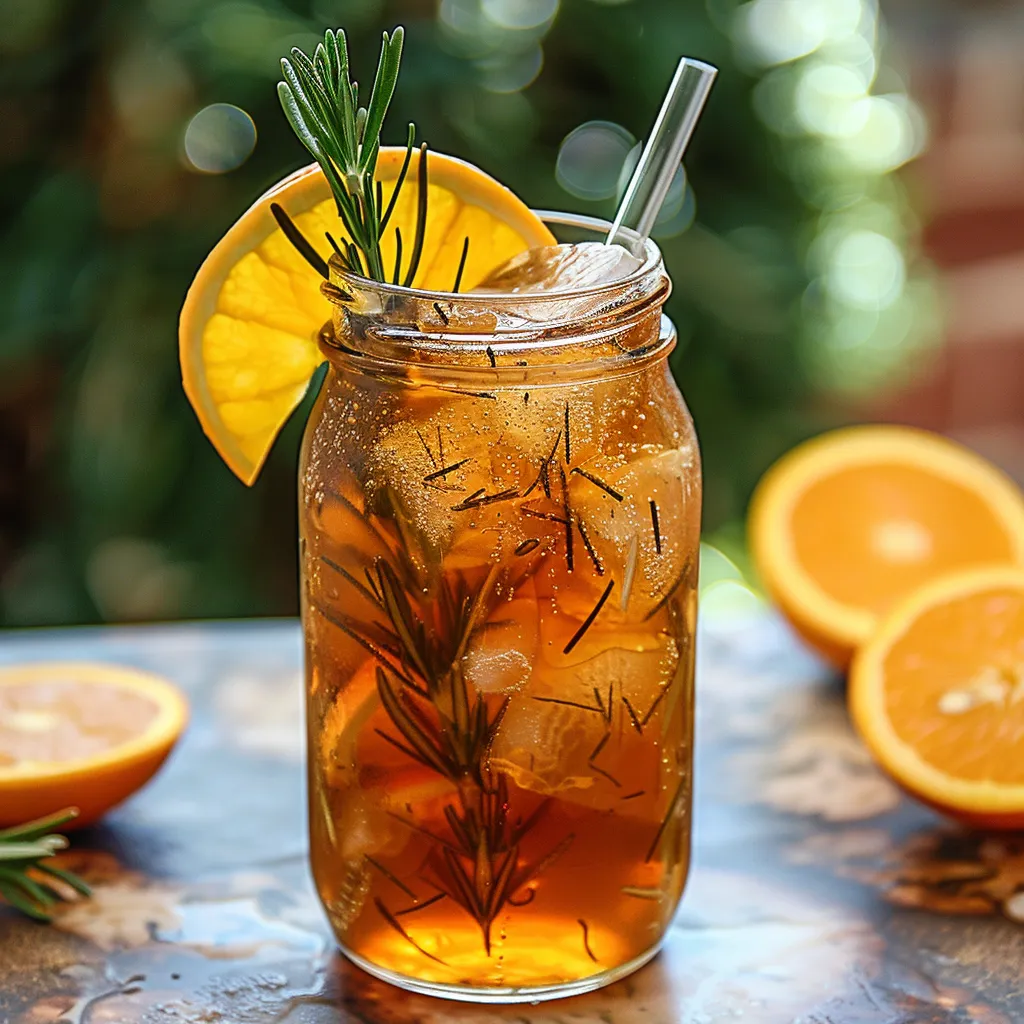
(663, 153)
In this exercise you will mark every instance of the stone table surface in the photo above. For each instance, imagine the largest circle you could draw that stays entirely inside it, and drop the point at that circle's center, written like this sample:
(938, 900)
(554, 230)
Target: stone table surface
(818, 896)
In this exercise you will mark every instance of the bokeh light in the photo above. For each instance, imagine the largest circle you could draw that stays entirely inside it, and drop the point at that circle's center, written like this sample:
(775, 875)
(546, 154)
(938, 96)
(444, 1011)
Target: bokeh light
(519, 14)
(679, 211)
(866, 270)
(219, 138)
(867, 310)
(592, 159)
(511, 72)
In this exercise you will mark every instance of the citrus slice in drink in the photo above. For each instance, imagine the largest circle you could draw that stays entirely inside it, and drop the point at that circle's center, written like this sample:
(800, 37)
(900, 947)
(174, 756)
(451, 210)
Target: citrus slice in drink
(845, 525)
(938, 695)
(81, 735)
(248, 329)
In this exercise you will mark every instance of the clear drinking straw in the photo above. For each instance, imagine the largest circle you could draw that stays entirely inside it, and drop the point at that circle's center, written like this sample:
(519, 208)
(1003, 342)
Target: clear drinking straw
(663, 153)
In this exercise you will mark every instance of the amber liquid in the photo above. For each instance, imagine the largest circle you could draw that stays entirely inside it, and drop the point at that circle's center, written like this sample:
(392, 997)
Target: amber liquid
(500, 716)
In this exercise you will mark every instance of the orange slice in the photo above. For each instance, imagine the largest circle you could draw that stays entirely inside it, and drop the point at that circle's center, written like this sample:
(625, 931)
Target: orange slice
(81, 735)
(845, 525)
(247, 333)
(938, 695)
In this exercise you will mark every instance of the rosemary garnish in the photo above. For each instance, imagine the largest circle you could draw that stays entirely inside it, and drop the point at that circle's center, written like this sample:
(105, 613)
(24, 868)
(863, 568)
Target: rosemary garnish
(373, 586)
(408, 751)
(611, 778)
(589, 620)
(426, 447)
(598, 482)
(421, 216)
(651, 709)
(445, 470)
(396, 273)
(441, 313)
(600, 745)
(26, 871)
(299, 240)
(351, 630)
(568, 449)
(443, 723)
(569, 704)
(421, 906)
(654, 524)
(390, 877)
(569, 563)
(370, 595)
(633, 796)
(527, 546)
(397, 925)
(664, 823)
(542, 476)
(476, 494)
(478, 498)
(462, 264)
(490, 357)
(633, 716)
(549, 516)
(321, 103)
(525, 901)
(586, 939)
(598, 567)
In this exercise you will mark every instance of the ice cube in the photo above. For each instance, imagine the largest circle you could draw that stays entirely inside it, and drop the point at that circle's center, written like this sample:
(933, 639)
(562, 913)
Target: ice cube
(557, 282)
(562, 268)
(503, 650)
(593, 733)
(452, 483)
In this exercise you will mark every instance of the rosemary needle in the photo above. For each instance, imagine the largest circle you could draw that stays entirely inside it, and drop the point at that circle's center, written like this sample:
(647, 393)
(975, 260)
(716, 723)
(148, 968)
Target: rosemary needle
(26, 871)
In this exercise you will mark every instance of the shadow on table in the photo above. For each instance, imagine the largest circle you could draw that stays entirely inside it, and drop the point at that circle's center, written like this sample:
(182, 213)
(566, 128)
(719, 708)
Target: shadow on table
(650, 994)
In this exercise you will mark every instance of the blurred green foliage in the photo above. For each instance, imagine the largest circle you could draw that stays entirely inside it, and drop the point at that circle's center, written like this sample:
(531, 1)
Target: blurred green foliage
(112, 504)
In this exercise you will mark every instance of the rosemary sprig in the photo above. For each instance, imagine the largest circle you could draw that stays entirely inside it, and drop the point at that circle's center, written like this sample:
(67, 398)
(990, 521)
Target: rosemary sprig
(321, 103)
(26, 874)
(439, 720)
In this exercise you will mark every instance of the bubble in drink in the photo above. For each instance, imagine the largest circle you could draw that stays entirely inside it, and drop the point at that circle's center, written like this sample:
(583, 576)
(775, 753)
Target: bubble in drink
(562, 268)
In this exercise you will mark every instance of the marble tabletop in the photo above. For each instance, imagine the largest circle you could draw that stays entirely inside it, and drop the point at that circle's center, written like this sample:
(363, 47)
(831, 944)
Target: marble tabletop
(819, 895)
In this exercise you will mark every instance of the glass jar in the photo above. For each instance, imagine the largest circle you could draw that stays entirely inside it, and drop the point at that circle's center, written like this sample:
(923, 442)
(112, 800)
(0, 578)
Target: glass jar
(500, 513)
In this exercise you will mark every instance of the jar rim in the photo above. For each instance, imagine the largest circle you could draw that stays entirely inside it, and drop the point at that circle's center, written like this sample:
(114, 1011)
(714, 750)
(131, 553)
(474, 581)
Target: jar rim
(652, 262)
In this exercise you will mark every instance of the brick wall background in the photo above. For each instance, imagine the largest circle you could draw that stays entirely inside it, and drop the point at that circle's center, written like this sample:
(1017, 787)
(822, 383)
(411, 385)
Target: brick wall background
(965, 64)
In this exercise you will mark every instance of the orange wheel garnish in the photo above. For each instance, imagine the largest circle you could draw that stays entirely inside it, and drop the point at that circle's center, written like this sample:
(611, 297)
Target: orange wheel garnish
(938, 695)
(844, 526)
(81, 735)
(248, 329)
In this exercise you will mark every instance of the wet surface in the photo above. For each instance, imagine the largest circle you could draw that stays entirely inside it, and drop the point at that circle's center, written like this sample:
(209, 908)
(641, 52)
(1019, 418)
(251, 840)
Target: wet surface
(818, 896)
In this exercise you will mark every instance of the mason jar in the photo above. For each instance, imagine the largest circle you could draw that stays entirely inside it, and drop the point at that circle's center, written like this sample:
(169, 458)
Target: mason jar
(500, 502)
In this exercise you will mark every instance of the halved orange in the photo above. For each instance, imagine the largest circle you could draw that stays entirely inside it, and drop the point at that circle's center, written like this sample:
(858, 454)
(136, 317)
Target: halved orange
(938, 695)
(81, 735)
(247, 333)
(845, 525)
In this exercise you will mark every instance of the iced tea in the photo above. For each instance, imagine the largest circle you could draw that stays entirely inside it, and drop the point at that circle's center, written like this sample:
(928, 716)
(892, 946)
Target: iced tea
(500, 508)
